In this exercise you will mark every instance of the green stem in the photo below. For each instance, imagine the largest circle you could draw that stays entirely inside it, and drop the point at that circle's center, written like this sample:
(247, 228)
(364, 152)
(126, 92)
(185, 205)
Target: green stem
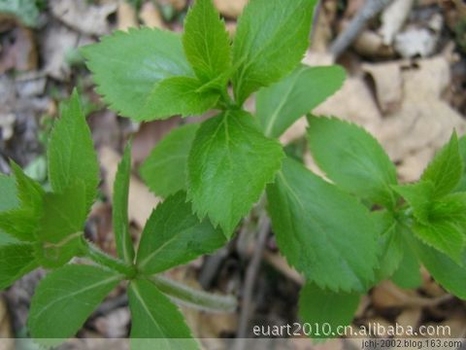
(193, 297)
(227, 101)
(97, 255)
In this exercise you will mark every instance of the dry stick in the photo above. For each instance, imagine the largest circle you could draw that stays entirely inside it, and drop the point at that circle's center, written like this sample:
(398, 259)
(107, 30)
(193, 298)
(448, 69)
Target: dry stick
(367, 11)
(249, 283)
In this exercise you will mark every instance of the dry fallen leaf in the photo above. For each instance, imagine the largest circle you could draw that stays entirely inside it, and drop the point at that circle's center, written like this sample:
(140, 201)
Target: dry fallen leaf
(114, 324)
(370, 44)
(393, 18)
(388, 295)
(148, 135)
(230, 9)
(415, 42)
(410, 318)
(151, 16)
(126, 16)
(424, 122)
(141, 201)
(83, 16)
(388, 84)
(6, 333)
(58, 42)
(18, 50)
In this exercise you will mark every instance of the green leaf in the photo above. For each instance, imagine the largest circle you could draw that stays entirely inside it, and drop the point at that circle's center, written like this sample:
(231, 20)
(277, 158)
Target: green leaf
(229, 165)
(451, 208)
(281, 104)
(324, 233)
(64, 214)
(6, 239)
(206, 42)
(71, 152)
(66, 297)
(30, 192)
(155, 316)
(270, 41)
(444, 270)
(123, 240)
(325, 307)
(391, 246)
(21, 223)
(353, 159)
(419, 197)
(461, 186)
(9, 201)
(445, 169)
(408, 274)
(165, 170)
(8, 193)
(173, 235)
(16, 260)
(54, 255)
(444, 236)
(439, 222)
(128, 65)
(177, 95)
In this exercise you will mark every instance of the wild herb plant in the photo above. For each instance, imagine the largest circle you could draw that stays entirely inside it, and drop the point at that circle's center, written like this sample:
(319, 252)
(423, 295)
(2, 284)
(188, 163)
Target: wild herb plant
(344, 235)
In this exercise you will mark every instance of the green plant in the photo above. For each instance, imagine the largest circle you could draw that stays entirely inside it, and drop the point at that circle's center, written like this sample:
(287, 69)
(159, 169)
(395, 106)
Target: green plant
(344, 236)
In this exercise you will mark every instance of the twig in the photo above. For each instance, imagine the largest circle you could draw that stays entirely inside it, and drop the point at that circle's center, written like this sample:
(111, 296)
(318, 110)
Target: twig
(211, 266)
(367, 11)
(249, 283)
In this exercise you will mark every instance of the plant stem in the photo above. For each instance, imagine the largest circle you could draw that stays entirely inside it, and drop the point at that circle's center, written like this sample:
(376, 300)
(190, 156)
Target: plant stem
(97, 255)
(227, 101)
(194, 297)
(251, 277)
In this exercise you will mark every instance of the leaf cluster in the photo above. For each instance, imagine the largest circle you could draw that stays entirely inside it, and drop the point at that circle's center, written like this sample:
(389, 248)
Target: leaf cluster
(46, 229)
(344, 234)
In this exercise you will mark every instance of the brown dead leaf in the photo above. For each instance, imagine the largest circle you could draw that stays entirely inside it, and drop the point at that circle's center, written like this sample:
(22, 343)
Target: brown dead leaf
(429, 286)
(106, 130)
(7, 122)
(57, 41)
(415, 42)
(99, 227)
(151, 16)
(83, 16)
(141, 201)
(126, 16)
(388, 84)
(456, 325)
(148, 135)
(114, 324)
(179, 5)
(393, 18)
(364, 303)
(6, 333)
(410, 318)
(370, 44)
(322, 33)
(424, 122)
(18, 50)
(230, 9)
(354, 101)
(388, 295)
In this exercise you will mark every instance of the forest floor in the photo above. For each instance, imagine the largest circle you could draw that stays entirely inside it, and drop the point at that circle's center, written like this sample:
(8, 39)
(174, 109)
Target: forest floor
(406, 85)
